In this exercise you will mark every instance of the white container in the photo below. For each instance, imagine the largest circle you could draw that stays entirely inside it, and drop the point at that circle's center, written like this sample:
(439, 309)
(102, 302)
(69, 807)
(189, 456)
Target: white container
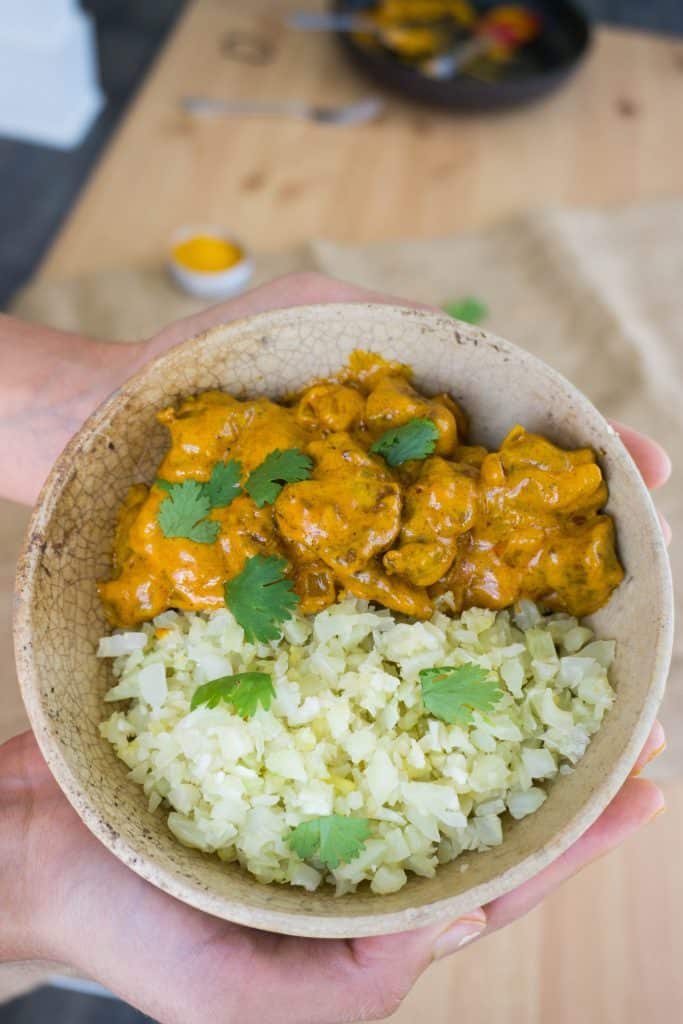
(211, 284)
(49, 87)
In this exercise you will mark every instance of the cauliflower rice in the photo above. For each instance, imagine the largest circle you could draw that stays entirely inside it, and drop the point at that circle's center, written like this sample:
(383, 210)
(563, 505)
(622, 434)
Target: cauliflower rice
(347, 733)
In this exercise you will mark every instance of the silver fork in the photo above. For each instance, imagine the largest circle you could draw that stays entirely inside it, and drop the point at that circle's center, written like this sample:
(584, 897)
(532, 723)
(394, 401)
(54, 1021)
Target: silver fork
(352, 113)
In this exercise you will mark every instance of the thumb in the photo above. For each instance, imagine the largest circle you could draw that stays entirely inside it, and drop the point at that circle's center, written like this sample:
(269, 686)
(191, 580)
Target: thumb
(391, 964)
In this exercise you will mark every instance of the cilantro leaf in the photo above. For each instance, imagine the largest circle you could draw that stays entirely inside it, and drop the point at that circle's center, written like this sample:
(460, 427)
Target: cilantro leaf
(416, 439)
(182, 513)
(224, 484)
(452, 694)
(336, 838)
(305, 838)
(245, 691)
(469, 309)
(261, 597)
(277, 469)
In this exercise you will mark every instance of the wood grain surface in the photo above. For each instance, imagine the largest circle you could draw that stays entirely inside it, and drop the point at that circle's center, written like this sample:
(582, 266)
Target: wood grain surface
(611, 136)
(606, 948)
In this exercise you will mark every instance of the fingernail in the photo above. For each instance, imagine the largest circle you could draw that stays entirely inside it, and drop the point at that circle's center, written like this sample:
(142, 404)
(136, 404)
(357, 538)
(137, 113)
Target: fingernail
(650, 757)
(666, 528)
(457, 935)
(655, 814)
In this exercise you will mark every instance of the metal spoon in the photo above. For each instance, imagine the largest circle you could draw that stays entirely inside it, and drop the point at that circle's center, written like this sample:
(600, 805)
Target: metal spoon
(353, 113)
(350, 21)
(452, 62)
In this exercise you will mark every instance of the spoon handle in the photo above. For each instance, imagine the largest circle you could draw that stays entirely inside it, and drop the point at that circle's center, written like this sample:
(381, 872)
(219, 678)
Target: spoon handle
(310, 21)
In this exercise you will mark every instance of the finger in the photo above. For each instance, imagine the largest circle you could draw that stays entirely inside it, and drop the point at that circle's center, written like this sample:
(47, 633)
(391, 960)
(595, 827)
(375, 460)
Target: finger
(666, 529)
(636, 803)
(384, 968)
(654, 746)
(650, 458)
(22, 762)
(284, 292)
(359, 979)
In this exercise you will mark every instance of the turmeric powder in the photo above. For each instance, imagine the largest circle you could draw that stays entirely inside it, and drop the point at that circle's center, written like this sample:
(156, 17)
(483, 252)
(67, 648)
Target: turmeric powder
(206, 253)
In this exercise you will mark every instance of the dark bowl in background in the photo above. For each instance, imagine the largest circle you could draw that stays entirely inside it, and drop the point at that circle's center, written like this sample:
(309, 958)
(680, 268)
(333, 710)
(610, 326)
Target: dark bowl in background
(541, 67)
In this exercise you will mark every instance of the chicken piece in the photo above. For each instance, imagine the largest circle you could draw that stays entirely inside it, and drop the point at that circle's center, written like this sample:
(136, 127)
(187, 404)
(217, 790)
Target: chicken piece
(439, 506)
(348, 512)
(366, 369)
(578, 568)
(316, 587)
(532, 476)
(394, 401)
(202, 429)
(132, 503)
(329, 408)
(538, 534)
(133, 597)
(390, 591)
(264, 427)
(215, 427)
(162, 572)
(470, 454)
(479, 577)
(246, 530)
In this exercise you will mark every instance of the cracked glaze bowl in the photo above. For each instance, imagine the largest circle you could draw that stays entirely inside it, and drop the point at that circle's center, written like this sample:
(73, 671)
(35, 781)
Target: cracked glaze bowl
(68, 548)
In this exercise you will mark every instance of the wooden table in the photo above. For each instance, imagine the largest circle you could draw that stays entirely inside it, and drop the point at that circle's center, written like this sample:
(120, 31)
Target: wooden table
(607, 947)
(612, 136)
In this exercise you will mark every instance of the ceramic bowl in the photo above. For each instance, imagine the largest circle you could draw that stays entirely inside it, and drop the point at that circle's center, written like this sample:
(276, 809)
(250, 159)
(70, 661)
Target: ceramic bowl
(68, 548)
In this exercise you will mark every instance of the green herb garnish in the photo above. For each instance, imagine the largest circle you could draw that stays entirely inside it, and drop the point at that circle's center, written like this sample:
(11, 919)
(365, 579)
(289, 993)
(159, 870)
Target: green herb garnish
(277, 469)
(245, 691)
(452, 694)
(261, 597)
(182, 513)
(224, 483)
(336, 839)
(416, 439)
(469, 309)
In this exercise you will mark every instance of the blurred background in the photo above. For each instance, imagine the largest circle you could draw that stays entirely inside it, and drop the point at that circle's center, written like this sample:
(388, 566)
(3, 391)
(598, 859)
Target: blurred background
(520, 165)
(39, 185)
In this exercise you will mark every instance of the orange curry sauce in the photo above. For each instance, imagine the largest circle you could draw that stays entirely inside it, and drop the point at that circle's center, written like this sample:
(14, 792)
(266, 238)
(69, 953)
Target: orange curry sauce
(484, 528)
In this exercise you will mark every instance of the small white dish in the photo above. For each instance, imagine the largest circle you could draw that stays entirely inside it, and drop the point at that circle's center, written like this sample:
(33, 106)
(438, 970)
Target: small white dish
(210, 284)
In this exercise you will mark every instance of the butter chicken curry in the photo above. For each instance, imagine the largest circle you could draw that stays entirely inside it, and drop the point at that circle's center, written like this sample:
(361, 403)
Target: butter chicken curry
(457, 523)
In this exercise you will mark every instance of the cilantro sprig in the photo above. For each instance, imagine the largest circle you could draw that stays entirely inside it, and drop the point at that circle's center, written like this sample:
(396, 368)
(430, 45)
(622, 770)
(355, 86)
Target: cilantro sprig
(277, 469)
(223, 485)
(261, 597)
(336, 839)
(244, 690)
(416, 439)
(454, 693)
(183, 513)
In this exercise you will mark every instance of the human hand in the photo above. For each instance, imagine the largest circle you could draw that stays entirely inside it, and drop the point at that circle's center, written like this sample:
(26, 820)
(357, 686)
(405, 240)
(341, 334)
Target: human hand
(66, 898)
(70, 900)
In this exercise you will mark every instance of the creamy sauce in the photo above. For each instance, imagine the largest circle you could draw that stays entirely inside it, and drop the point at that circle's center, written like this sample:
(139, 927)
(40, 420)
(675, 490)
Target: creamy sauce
(484, 528)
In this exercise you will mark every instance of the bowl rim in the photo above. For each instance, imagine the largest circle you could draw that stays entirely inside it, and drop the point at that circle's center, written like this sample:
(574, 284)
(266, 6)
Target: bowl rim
(301, 923)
